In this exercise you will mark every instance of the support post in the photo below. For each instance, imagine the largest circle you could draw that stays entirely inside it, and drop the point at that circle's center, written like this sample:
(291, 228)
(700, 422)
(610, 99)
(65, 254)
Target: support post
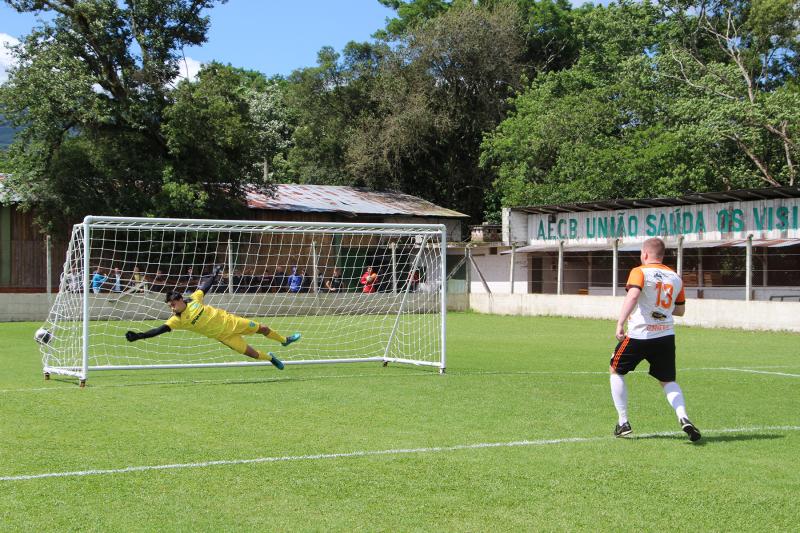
(589, 262)
(679, 266)
(393, 248)
(49, 258)
(443, 252)
(87, 249)
(748, 276)
(314, 267)
(560, 280)
(231, 277)
(614, 266)
(700, 274)
(468, 256)
(511, 270)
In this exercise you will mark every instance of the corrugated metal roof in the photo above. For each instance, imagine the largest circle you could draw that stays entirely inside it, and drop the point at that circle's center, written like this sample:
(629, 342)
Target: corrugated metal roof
(688, 199)
(346, 200)
(350, 201)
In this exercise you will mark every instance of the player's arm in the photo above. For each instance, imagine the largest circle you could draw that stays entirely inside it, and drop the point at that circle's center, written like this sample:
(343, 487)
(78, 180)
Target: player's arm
(135, 335)
(680, 304)
(208, 281)
(627, 308)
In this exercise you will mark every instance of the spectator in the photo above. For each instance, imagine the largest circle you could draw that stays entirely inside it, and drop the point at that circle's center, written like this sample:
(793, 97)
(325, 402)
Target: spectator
(72, 282)
(368, 280)
(117, 280)
(139, 284)
(98, 278)
(306, 285)
(295, 281)
(334, 283)
(413, 280)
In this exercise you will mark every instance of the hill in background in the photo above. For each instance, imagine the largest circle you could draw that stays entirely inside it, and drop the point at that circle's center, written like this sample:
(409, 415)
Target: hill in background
(6, 136)
(6, 133)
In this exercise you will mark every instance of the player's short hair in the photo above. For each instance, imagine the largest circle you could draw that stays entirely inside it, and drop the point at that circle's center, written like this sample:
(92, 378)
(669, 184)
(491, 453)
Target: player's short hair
(172, 296)
(655, 247)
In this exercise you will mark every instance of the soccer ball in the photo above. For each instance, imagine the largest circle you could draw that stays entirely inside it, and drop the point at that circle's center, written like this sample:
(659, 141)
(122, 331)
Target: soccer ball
(42, 336)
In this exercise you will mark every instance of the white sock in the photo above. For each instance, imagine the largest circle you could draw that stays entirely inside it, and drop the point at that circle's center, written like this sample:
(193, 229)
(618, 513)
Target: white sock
(619, 393)
(675, 398)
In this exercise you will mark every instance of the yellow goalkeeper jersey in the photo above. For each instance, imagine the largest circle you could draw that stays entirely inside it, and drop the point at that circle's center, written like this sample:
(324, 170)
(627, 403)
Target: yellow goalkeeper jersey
(203, 319)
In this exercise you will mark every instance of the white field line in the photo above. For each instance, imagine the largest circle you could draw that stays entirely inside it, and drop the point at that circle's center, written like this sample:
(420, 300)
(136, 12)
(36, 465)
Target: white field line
(256, 380)
(373, 453)
(751, 371)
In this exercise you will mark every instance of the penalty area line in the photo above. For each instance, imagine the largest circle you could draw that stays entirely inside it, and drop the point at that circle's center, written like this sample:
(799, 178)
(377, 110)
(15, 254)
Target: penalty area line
(372, 453)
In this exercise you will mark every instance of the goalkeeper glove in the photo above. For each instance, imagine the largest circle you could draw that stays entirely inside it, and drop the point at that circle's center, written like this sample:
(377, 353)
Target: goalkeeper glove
(133, 336)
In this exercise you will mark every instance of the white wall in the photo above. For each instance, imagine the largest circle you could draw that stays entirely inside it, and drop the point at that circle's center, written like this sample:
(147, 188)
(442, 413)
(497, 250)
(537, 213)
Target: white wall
(36, 307)
(24, 307)
(756, 315)
(496, 270)
(774, 316)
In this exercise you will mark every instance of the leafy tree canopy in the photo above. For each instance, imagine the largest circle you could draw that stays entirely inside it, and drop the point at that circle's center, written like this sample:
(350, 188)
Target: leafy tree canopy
(664, 99)
(105, 126)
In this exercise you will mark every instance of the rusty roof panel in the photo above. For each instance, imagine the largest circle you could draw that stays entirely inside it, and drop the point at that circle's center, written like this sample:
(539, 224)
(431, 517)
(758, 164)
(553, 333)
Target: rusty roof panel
(345, 200)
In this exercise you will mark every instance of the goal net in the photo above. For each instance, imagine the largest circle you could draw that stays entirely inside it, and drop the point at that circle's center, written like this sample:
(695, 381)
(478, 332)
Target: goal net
(290, 276)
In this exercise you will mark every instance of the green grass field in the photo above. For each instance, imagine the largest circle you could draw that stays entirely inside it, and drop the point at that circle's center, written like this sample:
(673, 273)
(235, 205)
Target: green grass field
(516, 436)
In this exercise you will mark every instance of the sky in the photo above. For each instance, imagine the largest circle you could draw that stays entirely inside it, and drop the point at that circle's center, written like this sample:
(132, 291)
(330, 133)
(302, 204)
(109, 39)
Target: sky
(270, 36)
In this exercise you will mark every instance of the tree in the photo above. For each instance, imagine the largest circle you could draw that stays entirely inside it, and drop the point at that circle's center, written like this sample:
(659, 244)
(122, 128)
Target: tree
(655, 106)
(565, 139)
(90, 93)
(436, 95)
(327, 102)
(738, 77)
(212, 137)
(274, 124)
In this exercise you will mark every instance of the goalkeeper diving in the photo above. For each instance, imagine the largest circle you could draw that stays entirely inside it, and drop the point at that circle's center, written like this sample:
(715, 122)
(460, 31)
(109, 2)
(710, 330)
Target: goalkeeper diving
(227, 328)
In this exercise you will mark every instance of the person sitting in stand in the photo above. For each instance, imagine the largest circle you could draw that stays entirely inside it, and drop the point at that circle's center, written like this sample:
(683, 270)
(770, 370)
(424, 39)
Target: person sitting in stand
(334, 283)
(413, 280)
(98, 279)
(368, 280)
(295, 281)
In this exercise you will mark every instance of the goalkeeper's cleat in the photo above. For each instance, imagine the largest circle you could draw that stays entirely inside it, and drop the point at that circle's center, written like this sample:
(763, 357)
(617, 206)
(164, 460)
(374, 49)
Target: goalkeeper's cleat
(689, 429)
(294, 337)
(623, 430)
(277, 363)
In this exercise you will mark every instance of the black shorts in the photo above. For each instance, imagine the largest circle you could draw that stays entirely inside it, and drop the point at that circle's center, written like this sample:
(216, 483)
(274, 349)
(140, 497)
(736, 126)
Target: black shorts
(659, 352)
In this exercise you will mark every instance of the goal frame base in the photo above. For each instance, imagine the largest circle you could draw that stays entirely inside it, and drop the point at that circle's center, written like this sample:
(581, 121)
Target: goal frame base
(83, 376)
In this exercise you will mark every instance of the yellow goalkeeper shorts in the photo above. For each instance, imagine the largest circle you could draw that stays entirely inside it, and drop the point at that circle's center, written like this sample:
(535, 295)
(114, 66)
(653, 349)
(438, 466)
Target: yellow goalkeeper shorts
(233, 339)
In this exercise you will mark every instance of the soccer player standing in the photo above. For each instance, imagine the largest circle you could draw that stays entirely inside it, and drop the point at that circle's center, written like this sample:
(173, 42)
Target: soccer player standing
(655, 295)
(195, 315)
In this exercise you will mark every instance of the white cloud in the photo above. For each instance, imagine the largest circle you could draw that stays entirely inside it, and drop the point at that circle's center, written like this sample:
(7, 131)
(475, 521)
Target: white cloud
(188, 69)
(6, 59)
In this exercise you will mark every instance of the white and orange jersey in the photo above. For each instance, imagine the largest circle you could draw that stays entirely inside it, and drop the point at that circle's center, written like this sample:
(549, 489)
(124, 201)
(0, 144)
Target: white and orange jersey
(662, 289)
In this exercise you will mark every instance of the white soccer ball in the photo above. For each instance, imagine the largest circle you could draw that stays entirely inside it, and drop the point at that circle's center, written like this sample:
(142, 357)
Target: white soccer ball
(42, 336)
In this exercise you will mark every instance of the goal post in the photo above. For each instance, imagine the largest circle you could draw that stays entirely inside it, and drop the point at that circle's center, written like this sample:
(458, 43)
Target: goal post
(309, 277)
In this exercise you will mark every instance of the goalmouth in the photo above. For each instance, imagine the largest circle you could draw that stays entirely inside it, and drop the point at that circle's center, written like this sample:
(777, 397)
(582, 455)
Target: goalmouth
(309, 277)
